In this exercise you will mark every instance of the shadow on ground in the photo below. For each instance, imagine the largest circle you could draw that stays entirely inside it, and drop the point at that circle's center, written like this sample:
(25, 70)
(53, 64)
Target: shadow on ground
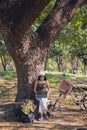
(69, 118)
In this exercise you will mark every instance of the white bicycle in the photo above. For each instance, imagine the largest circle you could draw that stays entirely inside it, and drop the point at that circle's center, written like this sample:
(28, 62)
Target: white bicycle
(78, 95)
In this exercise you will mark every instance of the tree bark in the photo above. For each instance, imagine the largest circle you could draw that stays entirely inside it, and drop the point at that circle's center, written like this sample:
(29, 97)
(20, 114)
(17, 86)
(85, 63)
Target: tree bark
(18, 15)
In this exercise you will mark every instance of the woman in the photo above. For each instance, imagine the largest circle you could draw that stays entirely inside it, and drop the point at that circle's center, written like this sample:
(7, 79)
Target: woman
(41, 89)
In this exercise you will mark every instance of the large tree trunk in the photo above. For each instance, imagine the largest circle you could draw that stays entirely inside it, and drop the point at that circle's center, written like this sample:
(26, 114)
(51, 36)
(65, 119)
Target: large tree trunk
(29, 57)
(27, 72)
(29, 50)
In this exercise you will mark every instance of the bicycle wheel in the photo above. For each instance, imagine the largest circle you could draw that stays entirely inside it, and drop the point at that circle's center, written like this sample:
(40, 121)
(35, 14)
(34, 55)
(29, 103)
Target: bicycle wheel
(78, 93)
(85, 102)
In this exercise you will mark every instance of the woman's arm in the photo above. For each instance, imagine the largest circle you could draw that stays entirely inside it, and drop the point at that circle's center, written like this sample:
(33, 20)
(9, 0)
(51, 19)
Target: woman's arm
(47, 84)
(35, 87)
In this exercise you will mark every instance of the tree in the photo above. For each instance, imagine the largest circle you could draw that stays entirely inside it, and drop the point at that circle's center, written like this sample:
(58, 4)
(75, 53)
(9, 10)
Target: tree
(76, 36)
(58, 53)
(3, 54)
(29, 49)
(73, 36)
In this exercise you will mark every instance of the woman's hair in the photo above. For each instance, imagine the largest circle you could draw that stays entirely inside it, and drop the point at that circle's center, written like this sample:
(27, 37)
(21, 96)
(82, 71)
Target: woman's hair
(40, 76)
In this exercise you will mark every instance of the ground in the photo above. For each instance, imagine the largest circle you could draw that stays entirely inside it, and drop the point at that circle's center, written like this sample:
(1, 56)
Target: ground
(69, 118)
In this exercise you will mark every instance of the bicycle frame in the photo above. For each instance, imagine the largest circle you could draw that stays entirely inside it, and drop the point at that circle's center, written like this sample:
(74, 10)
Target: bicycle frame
(61, 97)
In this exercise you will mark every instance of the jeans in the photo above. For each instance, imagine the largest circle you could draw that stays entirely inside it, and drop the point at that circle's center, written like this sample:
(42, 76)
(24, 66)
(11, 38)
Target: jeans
(42, 103)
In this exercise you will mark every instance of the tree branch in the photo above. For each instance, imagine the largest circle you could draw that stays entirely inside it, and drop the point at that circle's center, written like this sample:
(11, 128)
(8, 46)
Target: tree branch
(20, 14)
(58, 18)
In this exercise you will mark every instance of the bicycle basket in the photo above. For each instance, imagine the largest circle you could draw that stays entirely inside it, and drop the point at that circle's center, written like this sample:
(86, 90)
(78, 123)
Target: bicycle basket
(65, 86)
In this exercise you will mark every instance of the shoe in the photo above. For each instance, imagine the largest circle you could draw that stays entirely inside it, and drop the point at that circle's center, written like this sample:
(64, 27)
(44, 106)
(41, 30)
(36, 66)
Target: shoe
(49, 114)
(40, 118)
(45, 116)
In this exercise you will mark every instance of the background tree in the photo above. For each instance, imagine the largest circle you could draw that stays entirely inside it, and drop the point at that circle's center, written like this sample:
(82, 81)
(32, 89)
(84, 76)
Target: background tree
(58, 53)
(72, 39)
(29, 49)
(4, 55)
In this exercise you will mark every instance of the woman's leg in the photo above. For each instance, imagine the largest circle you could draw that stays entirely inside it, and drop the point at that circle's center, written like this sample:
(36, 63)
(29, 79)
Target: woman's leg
(44, 107)
(40, 111)
(40, 105)
(44, 104)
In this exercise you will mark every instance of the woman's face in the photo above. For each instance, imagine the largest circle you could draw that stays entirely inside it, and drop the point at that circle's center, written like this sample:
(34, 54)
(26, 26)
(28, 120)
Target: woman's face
(42, 77)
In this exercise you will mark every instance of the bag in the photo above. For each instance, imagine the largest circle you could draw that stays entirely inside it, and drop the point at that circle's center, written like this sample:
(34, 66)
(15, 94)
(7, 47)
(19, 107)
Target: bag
(21, 117)
(65, 86)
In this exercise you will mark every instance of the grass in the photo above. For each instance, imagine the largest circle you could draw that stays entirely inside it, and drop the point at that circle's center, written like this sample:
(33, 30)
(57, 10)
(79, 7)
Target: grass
(8, 86)
(8, 74)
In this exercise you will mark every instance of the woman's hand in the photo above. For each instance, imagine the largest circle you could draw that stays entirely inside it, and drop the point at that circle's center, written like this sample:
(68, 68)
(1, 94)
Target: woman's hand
(35, 91)
(48, 86)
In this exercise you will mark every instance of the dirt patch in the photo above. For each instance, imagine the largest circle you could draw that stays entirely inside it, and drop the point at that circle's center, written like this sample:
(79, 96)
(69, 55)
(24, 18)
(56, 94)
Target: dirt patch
(69, 118)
